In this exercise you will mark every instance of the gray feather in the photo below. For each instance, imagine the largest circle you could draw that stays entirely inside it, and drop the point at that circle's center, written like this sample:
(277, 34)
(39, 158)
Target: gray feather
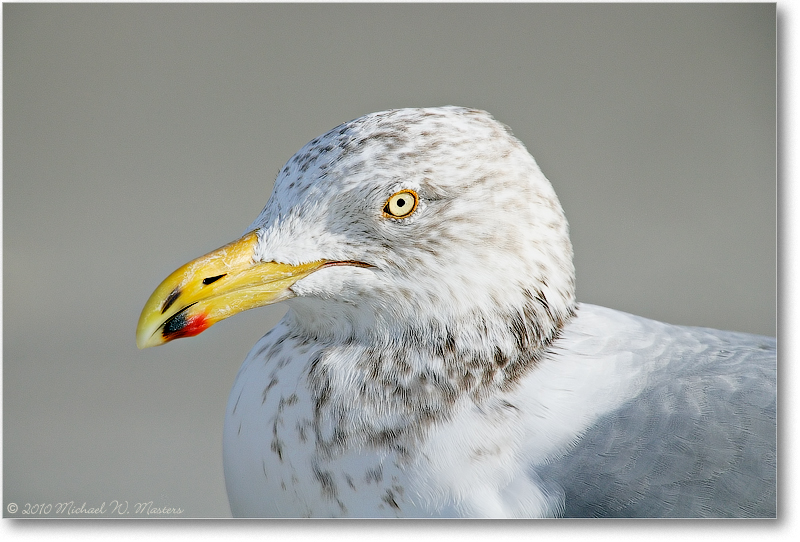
(698, 441)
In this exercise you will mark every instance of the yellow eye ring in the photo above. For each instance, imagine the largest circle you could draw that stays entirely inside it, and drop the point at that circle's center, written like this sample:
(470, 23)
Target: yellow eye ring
(401, 205)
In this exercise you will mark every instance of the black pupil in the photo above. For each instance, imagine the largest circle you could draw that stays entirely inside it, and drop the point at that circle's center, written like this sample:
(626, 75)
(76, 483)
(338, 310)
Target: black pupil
(401, 202)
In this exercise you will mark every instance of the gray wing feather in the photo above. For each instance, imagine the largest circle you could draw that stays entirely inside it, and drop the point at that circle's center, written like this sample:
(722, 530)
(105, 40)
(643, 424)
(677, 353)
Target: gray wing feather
(699, 441)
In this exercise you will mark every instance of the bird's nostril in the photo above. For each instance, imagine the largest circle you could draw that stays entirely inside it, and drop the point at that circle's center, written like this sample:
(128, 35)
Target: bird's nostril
(209, 280)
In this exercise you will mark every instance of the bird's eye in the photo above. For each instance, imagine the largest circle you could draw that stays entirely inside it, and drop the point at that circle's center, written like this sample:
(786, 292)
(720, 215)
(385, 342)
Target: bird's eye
(401, 204)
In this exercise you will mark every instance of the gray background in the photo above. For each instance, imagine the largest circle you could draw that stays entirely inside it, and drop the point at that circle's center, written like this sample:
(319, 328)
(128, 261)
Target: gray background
(139, 137)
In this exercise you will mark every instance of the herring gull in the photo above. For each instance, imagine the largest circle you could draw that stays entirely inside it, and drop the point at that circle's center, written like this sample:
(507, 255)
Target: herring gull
(434, 361)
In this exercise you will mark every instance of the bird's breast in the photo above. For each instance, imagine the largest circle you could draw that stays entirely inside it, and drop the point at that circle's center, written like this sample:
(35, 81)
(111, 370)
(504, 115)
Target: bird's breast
(286, 454)
(300, 441)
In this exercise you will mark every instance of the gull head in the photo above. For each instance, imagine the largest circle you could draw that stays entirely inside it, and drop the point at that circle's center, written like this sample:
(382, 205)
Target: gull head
(432, 226)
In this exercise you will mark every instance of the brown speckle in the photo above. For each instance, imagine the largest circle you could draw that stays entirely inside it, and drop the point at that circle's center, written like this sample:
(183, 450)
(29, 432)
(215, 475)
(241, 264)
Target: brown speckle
(389, 499)
(271, 384)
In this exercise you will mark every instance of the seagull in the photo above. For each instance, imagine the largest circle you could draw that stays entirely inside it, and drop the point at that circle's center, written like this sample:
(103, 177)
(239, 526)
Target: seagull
(434, 361)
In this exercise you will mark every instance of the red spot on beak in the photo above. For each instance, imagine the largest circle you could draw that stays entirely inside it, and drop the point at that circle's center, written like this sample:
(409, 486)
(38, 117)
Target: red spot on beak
(179, 326)
(195, 326)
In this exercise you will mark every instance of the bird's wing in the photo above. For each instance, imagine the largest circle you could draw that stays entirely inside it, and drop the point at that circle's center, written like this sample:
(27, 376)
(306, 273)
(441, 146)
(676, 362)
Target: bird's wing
(698, 439)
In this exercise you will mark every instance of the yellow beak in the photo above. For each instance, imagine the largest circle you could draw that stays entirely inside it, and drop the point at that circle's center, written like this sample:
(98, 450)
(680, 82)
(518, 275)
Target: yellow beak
(214, 287)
